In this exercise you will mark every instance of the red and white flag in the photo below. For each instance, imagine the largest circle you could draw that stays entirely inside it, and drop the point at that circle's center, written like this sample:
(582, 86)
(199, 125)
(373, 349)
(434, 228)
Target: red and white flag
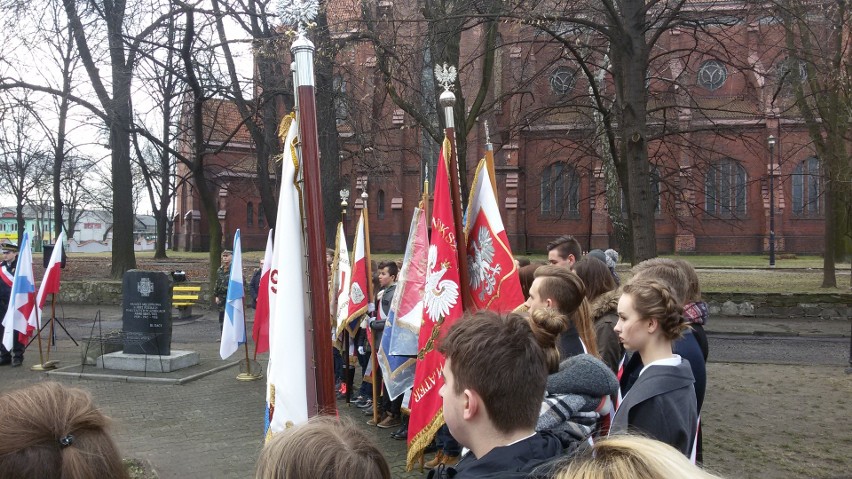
(494, 280)
(260, 329)
(359, 297)
(442, 308)
(22, 299)
(49, 283)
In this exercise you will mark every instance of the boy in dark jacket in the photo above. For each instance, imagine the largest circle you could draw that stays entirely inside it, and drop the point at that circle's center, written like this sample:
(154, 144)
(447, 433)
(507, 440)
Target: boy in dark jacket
(495, 419)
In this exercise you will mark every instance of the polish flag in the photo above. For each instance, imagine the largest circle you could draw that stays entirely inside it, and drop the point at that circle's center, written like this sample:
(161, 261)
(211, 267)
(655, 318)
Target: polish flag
(49, 283)
(494, 280)
(359, 297)
(260, 329)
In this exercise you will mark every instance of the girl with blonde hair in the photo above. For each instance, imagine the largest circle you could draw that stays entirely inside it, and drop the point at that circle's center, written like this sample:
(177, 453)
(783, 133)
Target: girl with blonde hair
(322, 448)
(631, 457)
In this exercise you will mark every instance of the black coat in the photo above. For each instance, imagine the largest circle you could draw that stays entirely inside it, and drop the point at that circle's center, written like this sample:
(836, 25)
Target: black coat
(661, 405)
(6, 290)
(686, 347)
(506, 462)
(569, 343)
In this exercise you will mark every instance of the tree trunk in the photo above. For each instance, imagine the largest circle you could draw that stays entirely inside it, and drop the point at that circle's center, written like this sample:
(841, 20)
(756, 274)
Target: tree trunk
(630, 65)
(118, 111)
(272, 87)
(327, 128)
(829, 277)
(196, 164)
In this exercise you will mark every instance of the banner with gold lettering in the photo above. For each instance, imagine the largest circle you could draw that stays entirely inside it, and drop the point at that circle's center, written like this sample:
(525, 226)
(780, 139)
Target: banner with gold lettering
(442, 307)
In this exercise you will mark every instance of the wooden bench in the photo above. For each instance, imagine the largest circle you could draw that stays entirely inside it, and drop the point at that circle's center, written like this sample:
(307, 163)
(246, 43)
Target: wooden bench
(184, 298)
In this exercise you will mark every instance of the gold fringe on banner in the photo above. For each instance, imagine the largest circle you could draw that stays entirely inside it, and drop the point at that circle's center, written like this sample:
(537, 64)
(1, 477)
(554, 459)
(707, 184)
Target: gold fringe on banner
(422, 439)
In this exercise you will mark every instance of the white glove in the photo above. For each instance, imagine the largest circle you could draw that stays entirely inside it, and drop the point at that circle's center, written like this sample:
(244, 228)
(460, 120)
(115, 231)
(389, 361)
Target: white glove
(371, 307)
(361, 350)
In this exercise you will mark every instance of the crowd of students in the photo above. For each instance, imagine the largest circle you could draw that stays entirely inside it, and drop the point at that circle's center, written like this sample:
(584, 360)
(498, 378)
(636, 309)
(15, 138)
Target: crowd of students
(587, 380)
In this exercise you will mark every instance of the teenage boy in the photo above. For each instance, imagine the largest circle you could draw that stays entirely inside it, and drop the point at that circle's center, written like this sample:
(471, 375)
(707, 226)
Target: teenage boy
(494, 379)
(564, 251)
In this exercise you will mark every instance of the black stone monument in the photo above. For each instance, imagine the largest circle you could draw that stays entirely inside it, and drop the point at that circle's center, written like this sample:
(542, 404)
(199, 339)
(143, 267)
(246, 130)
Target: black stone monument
(147, 312)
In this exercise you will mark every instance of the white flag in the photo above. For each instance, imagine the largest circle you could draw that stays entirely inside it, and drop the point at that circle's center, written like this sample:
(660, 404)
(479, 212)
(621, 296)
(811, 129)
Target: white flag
(344, 276)
(287, 401)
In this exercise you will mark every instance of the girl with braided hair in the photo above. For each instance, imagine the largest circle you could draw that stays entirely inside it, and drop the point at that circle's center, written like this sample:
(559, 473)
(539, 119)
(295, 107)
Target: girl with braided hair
(661, 404)
(51, 431)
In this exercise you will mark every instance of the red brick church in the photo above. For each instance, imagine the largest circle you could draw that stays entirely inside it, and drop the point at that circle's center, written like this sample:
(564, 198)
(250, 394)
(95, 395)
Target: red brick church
(714, 175)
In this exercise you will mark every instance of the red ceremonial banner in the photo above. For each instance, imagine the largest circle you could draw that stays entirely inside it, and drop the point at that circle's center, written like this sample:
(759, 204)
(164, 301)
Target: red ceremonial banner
(442, 307)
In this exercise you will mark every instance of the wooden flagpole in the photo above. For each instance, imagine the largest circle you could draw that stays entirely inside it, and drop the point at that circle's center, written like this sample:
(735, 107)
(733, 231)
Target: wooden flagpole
(344, 194)
(52, 317)
(369, 267)
(303, 53)
(489, 161)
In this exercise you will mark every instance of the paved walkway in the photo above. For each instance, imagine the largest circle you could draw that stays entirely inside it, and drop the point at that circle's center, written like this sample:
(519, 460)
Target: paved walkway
(211, 427)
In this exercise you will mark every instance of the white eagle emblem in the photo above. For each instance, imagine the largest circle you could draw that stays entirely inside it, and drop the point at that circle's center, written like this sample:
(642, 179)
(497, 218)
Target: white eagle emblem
(446, 75)
(297, 12)
(483, 276)
(440, 294)
(356, 293)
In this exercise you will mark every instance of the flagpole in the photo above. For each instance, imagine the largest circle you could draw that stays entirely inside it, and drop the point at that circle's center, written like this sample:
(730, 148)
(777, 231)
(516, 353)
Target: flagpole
(448, 101)
(424, 200)
(368, 265)
(344, 194)
(489, 160)
(43, 365)
(248, 361)
(303, 53)
(52, 316)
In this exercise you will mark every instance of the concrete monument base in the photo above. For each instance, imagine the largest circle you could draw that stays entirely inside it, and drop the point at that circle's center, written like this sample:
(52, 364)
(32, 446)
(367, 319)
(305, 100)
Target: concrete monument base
(149, 363)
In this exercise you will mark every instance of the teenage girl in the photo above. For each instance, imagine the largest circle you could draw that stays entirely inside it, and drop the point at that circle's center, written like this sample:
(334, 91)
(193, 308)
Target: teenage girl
(661, 403)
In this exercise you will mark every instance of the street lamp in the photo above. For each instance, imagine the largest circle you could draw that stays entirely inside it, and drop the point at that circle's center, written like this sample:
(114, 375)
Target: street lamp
(771, 141)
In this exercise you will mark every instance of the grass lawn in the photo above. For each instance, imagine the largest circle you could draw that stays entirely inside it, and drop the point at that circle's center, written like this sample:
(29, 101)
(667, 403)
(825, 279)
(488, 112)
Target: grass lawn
(729, 273)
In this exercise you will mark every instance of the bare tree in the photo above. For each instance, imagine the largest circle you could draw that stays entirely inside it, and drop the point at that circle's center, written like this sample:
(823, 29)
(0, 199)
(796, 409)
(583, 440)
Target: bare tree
(23, 157)
(161, 77)
(432, 35)
(75, 194)
(818, 44)
(90, 22)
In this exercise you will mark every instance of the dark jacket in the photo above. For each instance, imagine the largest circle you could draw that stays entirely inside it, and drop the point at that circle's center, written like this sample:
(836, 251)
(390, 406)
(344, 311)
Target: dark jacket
(514, 461)
(686, 347)
(383, 305)
(661, 405)
(605, 313)
(6, 290)
(569, 343)
(254, 285)
(696, 315)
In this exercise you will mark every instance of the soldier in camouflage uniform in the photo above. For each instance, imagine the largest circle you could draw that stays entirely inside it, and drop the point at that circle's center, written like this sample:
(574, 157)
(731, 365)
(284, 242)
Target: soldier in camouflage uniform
(220, 292)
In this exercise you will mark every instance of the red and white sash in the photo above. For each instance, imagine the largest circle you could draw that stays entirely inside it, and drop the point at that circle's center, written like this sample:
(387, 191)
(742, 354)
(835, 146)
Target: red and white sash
(8, 277)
